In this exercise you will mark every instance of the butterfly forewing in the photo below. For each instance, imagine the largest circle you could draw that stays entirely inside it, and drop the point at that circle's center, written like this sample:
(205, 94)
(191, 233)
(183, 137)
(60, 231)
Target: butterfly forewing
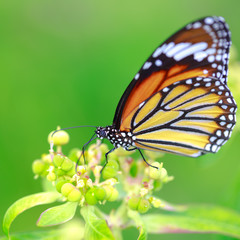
(201, 49)
(189, 117)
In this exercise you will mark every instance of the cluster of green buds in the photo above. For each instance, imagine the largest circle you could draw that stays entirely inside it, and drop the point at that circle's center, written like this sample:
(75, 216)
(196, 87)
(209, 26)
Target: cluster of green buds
(87, 183)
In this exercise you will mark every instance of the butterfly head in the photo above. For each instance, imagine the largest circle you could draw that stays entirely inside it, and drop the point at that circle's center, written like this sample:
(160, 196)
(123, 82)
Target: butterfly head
(102, 132)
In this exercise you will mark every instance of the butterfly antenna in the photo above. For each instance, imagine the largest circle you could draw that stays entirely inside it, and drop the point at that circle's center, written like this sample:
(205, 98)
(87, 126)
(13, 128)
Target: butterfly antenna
(83, 150)
(71, 128)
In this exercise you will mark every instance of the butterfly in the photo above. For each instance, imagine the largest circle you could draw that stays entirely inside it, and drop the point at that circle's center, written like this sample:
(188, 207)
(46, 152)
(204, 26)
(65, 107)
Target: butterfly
(179, 101)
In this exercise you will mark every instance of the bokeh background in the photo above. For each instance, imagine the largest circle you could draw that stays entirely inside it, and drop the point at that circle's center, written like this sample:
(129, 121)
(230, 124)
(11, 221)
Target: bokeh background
(67, 63)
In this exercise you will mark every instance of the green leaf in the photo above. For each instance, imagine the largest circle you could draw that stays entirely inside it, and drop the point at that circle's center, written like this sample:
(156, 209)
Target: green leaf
(96, 227)
(57, 215)
(25, 203)
(43, 235)
(200, 219)
(136, 217)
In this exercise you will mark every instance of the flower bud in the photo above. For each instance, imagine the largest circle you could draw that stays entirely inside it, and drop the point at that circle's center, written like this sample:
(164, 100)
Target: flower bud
(51, 177)
(156, 203)
(67, 164)
(100, 193)
(113, 155)
(163, 174)
(133, 202)
(60, 184)
(71, 172)
(143, 205)
(58, 160)
(93, 152)
(111, 193)
(104, 148)
(59, 172)
(155, 173)
(59, 138)
(46, 158)
(109, 172)
(74, 195)
(66, 189)
(113, 164)
(90, 197)
(39, 167)
(114, 195)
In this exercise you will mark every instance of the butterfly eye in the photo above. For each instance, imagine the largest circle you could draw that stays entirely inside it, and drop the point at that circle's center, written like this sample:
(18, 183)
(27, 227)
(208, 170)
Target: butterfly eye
(103, 133)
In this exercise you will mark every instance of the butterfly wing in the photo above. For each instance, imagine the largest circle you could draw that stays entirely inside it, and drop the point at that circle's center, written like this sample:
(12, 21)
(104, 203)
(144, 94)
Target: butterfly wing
(199, 49)
(188, 118)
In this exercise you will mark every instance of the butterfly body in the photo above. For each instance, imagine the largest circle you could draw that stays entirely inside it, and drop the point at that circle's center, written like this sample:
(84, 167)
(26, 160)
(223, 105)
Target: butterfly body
(117, 138)
(179, 101)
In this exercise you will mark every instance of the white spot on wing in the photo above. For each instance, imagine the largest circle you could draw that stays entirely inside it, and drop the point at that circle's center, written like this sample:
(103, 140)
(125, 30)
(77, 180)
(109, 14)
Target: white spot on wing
(199, 56)
(208, 147)
(166, 89)
(141, 104)
(214, 148)
(197, 47)
(147, 65)
(137, 76)
(177, 48)
(209, 20)
(169, 46)
(159, 50)
(158, 63)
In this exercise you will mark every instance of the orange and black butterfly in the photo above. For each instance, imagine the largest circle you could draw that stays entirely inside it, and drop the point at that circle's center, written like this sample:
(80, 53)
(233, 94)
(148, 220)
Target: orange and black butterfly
(179, 101)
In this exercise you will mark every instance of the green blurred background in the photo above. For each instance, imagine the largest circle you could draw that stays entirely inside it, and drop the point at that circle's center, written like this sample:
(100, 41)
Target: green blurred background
(67, 63)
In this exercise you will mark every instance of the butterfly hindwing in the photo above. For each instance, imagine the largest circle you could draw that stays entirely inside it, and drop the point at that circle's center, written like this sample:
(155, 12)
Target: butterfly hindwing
(200, 49)
(189, 118)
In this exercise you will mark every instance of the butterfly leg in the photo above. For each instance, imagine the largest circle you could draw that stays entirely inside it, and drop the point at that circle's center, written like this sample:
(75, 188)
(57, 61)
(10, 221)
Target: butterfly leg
(83, 151)
(132, 149)
(145, 159)
(106, 155)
